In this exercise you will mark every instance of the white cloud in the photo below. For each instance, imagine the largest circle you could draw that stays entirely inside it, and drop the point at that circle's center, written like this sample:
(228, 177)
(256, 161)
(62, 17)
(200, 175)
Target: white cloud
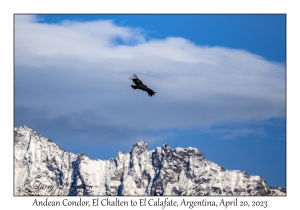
(73, 67)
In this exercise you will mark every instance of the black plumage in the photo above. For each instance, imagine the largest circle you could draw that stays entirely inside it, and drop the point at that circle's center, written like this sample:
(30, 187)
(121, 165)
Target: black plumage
(139, 85)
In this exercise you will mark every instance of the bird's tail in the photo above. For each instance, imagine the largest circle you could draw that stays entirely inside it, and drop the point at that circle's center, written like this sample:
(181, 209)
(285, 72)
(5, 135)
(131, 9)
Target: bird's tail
(134, 87)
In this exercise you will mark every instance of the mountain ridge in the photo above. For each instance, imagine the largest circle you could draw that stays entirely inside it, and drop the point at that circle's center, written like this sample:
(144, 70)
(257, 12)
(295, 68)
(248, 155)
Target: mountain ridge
(44, 168)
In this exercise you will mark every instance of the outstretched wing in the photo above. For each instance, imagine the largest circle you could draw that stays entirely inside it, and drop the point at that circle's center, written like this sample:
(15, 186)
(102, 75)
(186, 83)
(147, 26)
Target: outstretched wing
(136, 80)
(148, 90)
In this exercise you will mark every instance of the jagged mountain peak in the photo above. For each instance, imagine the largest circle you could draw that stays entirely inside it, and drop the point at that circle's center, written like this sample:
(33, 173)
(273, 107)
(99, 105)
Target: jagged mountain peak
(140, 144)
(163, 171)
(82, 155)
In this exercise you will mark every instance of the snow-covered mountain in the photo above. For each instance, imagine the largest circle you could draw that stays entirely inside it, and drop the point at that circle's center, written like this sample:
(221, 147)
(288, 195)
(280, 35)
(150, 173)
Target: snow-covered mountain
(44, 168)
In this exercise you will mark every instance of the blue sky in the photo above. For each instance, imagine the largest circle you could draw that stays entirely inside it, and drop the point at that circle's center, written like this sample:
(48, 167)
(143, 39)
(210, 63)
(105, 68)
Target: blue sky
(220, 81)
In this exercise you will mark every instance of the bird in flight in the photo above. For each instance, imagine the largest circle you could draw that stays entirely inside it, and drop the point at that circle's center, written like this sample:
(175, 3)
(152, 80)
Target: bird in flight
(139, 85)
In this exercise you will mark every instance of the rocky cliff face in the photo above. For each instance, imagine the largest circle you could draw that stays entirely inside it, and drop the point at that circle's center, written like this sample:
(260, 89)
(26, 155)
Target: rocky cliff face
(44, 168)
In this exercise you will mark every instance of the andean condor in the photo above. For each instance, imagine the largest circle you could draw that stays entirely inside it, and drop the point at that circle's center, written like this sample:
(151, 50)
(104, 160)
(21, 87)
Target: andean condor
(141, 86)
